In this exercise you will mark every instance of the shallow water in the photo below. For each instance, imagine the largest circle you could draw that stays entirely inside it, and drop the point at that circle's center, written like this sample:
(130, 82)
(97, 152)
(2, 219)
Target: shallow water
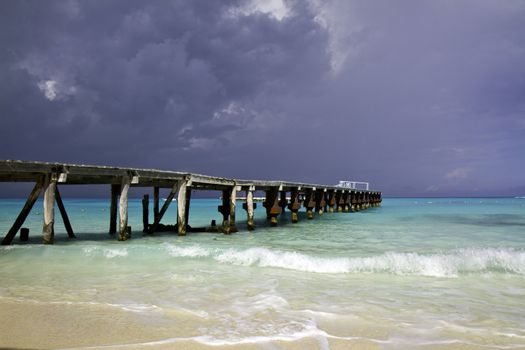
(413, 273)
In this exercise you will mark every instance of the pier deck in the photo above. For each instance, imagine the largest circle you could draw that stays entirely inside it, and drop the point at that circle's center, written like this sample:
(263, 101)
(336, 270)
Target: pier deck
(48, 177)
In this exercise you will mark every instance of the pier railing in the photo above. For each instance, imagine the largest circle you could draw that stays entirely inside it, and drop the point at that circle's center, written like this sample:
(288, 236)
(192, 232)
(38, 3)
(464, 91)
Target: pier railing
(279, 196)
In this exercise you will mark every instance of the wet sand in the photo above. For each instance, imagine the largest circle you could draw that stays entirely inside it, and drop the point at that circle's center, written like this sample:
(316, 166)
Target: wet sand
(29, 325)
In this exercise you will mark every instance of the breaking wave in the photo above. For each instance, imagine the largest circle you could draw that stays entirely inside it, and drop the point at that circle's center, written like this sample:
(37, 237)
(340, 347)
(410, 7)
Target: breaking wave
(447, 264)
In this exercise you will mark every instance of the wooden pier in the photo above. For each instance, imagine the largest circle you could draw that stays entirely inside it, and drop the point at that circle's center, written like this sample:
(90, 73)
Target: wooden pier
(280, 195)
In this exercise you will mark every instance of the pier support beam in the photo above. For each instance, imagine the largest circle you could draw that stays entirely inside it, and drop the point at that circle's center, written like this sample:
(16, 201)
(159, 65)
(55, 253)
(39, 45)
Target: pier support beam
(227, 209)
(124, 233)
(115, 189)
(309, 203)
(181, 208)
(233, 204)
(33, 196)
(320, 201)
(155, 201)
(249, 206)
(331, 200)
(339, 200)
(145, 213)
(48, 231)
(63, 213)
(169, 199)
(294, 205)
(283, 202)
(273, 209)
(353, 201)
(347, 202)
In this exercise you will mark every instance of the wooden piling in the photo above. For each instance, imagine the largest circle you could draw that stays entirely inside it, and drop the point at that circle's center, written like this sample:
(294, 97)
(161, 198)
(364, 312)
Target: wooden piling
(33, 196)
(249, 209)
(145, 213)
(233, 200)
(294, 205)
(320, 201)
(340, 200)
(309, 203)
(115, 189)
(272, 205)
(48, 230)
(155, 201)
(123, 209)
(346, 202)
(169, 199)
(283, 202)
(181, 208)
(187, 209)
(24, 234)
(224, 209)
(63, 213)
(331, 201)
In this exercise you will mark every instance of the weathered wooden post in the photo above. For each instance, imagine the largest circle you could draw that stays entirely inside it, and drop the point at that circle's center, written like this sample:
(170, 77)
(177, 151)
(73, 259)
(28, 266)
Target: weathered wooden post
(294, 205)
(283, 202)
(188, 201)
(347, 202)
(340, 200)
(24, 234)
(63, 213)
(224, 209)
(181, 208)
(124, 234)
(145, 213)
(48, 231)
(309, 202)
(155, 201)
(331, 200)
(272, 205)
(353, 201)
(227, 209)
(233, 205)
(320, 201)
(33, 196)
(115, 189)
(249, 206)
(169, 199)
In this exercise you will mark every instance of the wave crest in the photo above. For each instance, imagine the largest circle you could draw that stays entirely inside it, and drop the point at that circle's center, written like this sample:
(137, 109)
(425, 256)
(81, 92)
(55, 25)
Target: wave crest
(447, 264)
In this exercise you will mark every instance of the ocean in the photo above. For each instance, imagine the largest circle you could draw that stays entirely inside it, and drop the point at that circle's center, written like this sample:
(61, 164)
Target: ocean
(432, 273)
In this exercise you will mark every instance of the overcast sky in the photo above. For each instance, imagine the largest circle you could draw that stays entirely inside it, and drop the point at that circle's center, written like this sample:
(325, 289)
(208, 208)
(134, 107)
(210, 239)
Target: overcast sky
(418, 97)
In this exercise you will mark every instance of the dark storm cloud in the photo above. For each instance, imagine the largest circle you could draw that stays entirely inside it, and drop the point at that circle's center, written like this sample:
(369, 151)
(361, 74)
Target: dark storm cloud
(419, 97)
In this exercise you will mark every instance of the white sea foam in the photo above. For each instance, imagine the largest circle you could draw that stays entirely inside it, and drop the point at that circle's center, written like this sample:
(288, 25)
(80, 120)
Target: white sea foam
(446, 264)
(191, 251)
(106, 252)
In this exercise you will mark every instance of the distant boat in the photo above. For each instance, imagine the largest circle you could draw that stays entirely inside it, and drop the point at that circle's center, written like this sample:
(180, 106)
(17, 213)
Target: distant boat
(173, 200)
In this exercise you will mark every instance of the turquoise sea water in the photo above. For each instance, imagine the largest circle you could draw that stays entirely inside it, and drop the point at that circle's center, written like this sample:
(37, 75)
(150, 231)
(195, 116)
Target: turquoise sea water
(416, 272)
